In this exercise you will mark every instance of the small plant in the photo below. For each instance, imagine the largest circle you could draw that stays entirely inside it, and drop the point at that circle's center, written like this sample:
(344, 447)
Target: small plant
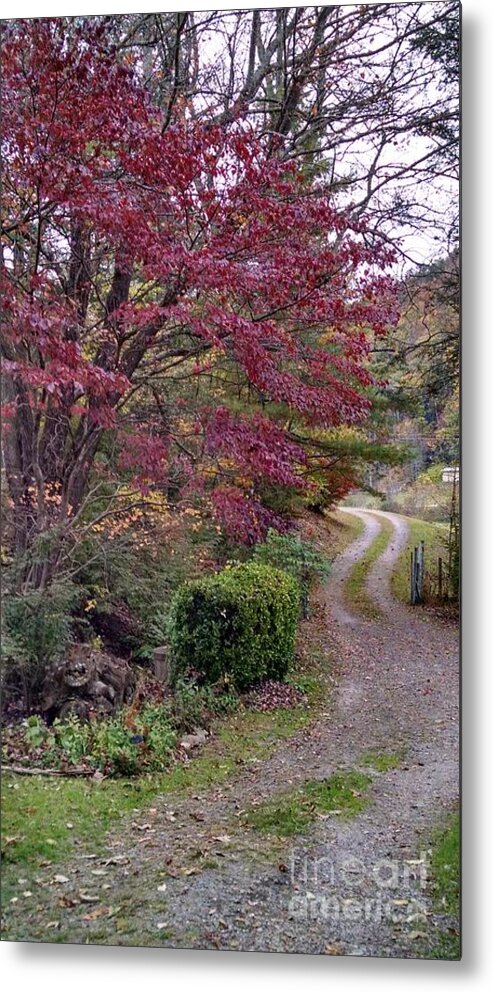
(72, 737)
(239, 625)
(123, 745)
(195, 705)
(156, 634)
(36, 731)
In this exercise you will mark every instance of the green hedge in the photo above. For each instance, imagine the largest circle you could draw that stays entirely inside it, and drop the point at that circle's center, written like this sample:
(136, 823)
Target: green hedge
(239, 623)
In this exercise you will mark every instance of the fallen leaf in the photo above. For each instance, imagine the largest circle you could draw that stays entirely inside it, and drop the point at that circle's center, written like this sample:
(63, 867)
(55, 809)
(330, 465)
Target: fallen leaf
(60, 879)
(53, 925)
(96, 913)
(415, 934)
(223, 839)
(162, 888)
(332, 949)
(87, 897)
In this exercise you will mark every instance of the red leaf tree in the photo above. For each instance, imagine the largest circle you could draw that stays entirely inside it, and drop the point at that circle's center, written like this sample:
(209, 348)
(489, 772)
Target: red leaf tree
(140, 254)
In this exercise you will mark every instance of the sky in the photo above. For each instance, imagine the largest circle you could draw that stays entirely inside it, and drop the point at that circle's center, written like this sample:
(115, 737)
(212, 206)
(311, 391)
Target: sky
(418, 246)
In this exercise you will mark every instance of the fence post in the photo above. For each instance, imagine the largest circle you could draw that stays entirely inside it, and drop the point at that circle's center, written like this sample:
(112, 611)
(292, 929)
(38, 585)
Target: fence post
(417, 573)
(421, 569)
(160, 658)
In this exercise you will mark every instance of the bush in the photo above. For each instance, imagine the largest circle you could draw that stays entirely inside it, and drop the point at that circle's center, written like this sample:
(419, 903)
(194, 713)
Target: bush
(37, 629)
(299, 558)
(239, 624)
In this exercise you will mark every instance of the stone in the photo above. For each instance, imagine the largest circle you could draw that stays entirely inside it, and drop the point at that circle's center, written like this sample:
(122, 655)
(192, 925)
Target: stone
(86, 681)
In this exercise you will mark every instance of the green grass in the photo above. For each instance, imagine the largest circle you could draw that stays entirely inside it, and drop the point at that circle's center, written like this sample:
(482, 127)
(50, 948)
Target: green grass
(435, 538)
(445, 867)
(355, 591)
(293, 812)
(36, 811)
(444, 944)
(381, 762)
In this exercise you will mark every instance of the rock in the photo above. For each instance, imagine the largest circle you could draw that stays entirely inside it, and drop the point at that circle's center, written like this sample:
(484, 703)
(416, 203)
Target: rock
(86, 681)
(194, 740)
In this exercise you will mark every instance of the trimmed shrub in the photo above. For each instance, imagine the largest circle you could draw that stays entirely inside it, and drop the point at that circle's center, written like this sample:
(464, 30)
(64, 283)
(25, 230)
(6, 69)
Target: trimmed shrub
(239, 625)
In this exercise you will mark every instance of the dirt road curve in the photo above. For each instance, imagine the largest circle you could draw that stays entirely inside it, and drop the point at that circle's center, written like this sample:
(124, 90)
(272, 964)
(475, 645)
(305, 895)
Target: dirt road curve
(354, 886)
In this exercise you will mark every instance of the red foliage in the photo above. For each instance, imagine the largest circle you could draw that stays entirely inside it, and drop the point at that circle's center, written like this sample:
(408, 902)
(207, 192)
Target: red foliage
(131, 246)
(243, 517)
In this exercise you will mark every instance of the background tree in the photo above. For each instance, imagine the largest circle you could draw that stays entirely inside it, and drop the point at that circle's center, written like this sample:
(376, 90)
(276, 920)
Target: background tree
(368, 95)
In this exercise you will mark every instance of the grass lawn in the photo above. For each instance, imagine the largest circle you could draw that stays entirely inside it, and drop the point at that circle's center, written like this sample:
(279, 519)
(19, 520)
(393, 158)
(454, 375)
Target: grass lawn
(435, 537)
(444, 943)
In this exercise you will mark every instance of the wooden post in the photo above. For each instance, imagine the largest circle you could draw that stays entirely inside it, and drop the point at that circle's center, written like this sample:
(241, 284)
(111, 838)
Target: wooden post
(421, 569)
(440, 578)
(161, 664)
